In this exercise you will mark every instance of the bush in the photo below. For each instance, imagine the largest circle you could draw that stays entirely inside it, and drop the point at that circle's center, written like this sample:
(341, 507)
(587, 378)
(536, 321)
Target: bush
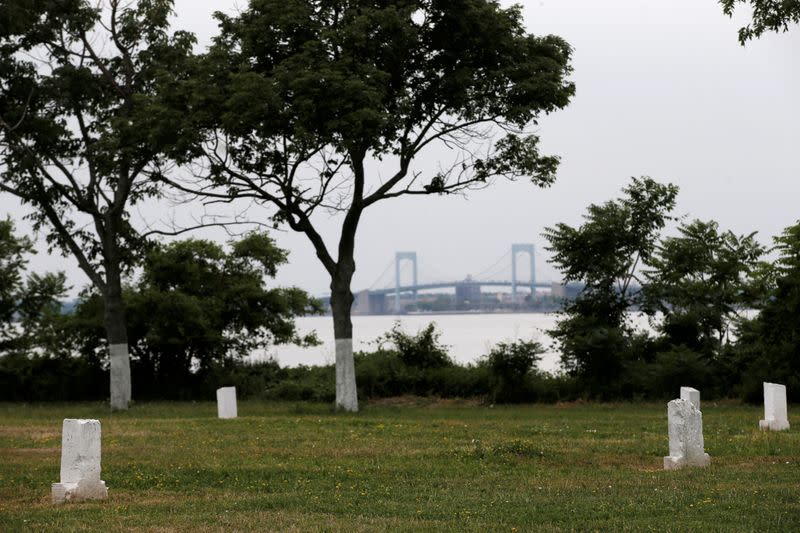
(507, 374)
(58, 379)
(679, 367)
(510, 368)
(384, 373)
(267, 380)
(593, 350)
(422, 350)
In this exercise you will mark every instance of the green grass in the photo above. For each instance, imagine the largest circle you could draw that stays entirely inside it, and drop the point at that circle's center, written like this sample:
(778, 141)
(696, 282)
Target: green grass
(176, 467)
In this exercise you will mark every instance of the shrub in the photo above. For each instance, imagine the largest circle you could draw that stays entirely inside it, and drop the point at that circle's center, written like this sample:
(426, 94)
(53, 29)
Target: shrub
(510, 367)
(42, 379)
(384, 373)
(422, 350)
(679, 367)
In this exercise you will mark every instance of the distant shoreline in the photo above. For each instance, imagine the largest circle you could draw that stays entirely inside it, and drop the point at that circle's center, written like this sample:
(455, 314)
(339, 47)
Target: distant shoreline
(456, 313)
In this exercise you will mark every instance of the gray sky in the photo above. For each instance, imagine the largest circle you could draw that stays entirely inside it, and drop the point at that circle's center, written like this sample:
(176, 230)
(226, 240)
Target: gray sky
(663, 89)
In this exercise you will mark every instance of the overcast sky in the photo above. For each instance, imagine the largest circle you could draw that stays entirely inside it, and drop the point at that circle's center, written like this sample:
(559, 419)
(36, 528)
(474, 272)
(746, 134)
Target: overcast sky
(663, 89)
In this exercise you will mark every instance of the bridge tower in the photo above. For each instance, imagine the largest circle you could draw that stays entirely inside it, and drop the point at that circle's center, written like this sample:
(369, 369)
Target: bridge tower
(398, 258)
(522, 249)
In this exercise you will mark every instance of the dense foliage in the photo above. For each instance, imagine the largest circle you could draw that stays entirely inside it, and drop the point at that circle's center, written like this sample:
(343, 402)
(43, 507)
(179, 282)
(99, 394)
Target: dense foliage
(769, 344)
(511, 366)
(697, 284)
(196, 306)
(696, 288)
(605, 253)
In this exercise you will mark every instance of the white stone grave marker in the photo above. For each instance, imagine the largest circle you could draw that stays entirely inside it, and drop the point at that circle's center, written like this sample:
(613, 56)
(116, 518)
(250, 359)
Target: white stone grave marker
(775, 411)
(693, 395)
(685, 436)
(226, 402)
(80, 463)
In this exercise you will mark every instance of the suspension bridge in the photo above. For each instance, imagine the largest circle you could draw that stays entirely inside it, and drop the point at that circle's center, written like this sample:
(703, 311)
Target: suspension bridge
(387, 295)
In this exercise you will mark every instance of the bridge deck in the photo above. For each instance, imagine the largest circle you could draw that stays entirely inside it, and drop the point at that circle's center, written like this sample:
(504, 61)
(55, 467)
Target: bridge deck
(453, 284)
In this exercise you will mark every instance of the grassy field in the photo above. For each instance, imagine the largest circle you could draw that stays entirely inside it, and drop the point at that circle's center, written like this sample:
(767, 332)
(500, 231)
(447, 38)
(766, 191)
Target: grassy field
(405, 466)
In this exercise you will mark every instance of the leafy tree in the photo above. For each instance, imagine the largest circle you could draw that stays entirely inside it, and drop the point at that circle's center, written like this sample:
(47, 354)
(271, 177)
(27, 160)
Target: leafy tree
(768, 15)
(605, 253)
(300, 98)
(83, 122)
(699, 282)
(196, 306)
(769, 344)
(26, 306)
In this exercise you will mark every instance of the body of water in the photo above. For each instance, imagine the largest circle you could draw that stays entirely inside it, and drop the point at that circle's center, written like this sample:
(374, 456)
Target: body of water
(468, 336)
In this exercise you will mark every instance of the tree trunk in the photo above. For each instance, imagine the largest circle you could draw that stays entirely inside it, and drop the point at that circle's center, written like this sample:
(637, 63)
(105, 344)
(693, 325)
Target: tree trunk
(117, 335)
(341, 306)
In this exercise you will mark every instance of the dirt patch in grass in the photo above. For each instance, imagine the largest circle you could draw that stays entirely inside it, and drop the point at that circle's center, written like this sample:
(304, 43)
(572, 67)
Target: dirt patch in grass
(8, 452)
(573, 403)
(422, 401)
(29, 432)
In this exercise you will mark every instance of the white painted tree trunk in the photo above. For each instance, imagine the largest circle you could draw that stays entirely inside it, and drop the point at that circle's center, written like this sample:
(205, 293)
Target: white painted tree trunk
(120, 377)
(346, 391)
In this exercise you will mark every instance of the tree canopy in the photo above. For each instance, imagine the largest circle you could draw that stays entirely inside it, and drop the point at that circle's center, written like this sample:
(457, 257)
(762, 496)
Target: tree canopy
(769, 345)
(768, 15)
(699, 282)
(84, 123)
(606, 253)
(298, 98)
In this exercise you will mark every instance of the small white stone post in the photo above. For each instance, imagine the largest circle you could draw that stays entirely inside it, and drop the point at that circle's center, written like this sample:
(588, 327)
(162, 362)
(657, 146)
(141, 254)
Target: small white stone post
(226, 402)
(693, 395)
(775, 411)
(685, 436)
(80, 463)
